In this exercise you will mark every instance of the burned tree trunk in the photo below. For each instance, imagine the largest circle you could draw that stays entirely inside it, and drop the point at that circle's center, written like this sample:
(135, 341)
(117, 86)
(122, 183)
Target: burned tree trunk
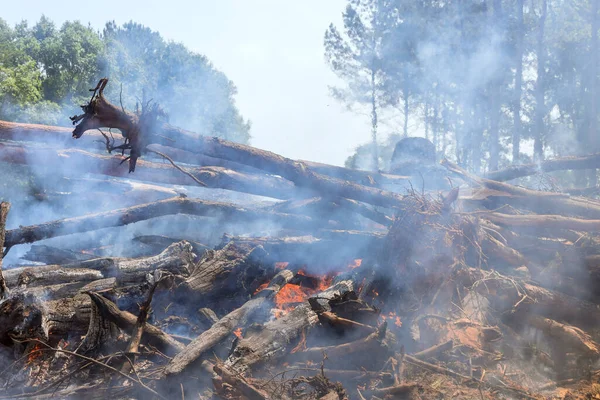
(272, 340)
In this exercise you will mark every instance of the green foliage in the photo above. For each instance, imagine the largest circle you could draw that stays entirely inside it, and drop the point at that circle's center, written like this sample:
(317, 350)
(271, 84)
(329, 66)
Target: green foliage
(45, 73)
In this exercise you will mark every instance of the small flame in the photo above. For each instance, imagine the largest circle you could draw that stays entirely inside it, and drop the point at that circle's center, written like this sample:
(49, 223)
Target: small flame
(238, 333)
(355, 264)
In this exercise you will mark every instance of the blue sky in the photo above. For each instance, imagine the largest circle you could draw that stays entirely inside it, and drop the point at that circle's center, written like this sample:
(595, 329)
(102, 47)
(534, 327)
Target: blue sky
(271, 49)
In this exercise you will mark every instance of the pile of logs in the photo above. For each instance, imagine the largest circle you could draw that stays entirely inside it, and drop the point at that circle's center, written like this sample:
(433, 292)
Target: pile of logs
(342, 284)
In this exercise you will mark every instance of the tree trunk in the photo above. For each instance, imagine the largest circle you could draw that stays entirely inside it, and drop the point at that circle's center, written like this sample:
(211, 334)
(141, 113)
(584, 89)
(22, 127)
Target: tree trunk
(540, 87)
(593, 127)
(374, 123)
(520, 34)
(495, 89)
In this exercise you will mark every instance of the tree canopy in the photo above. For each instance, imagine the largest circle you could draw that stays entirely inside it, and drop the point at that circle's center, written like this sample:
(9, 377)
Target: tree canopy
(488, 81)
(46, 71)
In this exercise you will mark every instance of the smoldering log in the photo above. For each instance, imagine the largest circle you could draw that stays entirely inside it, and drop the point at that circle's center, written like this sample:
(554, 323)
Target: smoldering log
(142, 212)
(127, 321)
(75, 162)
(315, 249)
(225, 268)
(559, 164)
(177, 258)
(332, 208)
(225, 326)
(270, 342)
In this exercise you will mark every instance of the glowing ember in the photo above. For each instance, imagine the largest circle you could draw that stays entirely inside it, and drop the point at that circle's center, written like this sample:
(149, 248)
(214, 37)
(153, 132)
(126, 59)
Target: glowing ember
(238, 333)
(261, 287)
(355, 264)
(34, 353)
(392, 317)
(292, 294)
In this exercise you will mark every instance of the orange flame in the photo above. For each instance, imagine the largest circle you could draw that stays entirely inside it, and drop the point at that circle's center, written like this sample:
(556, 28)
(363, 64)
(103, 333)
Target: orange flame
(291, 294)
(355, 264)
(261, 287)
(238, 333)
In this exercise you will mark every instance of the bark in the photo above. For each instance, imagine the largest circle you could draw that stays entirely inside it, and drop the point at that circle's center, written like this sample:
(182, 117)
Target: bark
(225, 326)
(272, 340)
(127, 321)
(75, 162)
(4, 208)
(143, 212)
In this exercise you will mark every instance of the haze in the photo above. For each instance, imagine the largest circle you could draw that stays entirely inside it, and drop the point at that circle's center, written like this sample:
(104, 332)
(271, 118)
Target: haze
(271, 49)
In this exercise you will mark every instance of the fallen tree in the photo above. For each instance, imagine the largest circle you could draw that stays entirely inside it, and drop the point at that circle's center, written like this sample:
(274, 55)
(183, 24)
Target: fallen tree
(558, 164)
(142, 212)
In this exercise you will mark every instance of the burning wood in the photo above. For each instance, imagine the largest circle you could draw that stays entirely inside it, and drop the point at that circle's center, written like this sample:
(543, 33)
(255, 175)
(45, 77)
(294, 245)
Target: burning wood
(321, 296)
